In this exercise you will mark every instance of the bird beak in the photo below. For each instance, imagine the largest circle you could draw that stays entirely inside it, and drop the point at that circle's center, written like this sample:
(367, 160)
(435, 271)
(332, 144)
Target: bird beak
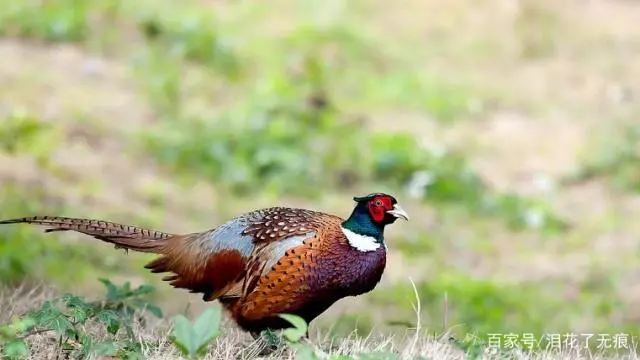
(398, 212)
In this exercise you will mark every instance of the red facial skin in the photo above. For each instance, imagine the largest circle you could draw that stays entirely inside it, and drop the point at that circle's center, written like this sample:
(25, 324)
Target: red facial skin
(378, 206)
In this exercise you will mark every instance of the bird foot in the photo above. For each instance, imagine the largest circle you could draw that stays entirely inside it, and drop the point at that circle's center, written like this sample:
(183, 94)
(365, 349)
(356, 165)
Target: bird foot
(269, 340)
(273, 339)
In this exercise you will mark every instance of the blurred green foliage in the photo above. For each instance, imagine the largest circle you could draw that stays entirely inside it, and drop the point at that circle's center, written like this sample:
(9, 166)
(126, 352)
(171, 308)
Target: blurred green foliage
(615, 158)
(23, 254)
(253, 148)
(282, 146)
(60, 20)
(192, 36)
(464, 305)
(23, 133)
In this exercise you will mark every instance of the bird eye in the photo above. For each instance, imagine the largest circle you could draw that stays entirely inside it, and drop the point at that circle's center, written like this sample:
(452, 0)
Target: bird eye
(378, 202)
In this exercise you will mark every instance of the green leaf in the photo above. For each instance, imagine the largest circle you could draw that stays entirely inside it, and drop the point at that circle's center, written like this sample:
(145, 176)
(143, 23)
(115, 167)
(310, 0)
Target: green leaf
(10, 331)
(194, 340)
(105, 348)
(86, 341)
(144, 290)
(305, 353)
(110, 319)
(147, 306)
(15, 349)
(54, 319)
(155, 310)
(184, 336)
(298, 331)
(112, 290)
(24, 324)
(79, 315)
(207, 327)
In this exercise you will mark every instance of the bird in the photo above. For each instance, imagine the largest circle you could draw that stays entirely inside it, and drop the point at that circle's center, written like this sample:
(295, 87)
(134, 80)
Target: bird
(265, 262)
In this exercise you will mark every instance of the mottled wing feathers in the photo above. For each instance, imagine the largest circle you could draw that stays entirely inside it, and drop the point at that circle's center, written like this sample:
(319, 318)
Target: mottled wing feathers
(291, 284)
(278, 231)
(277, 223)
(123, 236)
(263, 260)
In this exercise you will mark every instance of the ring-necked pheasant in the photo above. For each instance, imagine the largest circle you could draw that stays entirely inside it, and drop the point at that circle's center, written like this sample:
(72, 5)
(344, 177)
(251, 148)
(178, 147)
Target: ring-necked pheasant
(265, 262)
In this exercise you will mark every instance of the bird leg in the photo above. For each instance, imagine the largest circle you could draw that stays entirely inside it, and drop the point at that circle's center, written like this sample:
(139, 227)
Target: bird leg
(272, 339)
(269, 339)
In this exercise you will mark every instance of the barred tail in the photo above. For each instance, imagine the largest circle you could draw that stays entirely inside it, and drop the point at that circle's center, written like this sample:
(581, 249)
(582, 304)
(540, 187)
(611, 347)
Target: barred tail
(122, 236)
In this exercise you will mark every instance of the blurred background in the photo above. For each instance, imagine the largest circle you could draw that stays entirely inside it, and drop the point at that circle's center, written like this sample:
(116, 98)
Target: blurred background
(507, 129)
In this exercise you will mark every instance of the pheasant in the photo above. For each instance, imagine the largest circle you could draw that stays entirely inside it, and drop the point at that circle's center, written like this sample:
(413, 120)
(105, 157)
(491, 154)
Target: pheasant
(264, 262)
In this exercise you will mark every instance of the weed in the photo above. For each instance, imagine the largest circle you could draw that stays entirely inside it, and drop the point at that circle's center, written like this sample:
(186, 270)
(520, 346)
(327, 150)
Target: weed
(23, 133)
(58, 20)
(614, 158)
(193, 36)
(193, 340)
(69, 316)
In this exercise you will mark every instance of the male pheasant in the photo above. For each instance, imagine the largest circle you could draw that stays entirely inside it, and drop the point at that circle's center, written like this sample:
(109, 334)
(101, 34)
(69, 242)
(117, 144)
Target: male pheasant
(265, 262)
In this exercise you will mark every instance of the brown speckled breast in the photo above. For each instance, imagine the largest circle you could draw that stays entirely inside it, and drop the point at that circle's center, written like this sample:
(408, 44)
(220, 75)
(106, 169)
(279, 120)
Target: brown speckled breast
(308, 280)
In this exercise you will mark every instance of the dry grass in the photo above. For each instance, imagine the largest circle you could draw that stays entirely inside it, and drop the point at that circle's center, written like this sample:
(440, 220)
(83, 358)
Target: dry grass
(235, 344)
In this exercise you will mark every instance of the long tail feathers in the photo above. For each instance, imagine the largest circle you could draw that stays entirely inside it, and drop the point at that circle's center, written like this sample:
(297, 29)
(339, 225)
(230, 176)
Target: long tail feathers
(194, 268)
(122, 236)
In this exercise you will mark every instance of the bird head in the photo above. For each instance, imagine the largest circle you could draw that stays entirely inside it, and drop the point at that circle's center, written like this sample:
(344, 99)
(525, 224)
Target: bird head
(382, 208)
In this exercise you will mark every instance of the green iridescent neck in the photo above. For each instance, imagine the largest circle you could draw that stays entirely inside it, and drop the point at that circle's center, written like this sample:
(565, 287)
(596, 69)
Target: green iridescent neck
(361, 223)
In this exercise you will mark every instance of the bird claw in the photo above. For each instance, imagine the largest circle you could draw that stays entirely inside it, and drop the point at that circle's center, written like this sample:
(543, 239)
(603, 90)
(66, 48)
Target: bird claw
(269, 341)
(272, 339)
